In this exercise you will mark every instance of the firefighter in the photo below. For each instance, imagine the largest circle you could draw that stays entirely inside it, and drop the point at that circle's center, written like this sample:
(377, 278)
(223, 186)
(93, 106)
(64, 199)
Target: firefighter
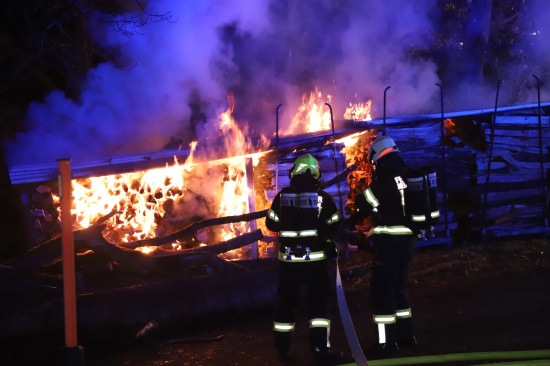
(394, 244)
(306, 219)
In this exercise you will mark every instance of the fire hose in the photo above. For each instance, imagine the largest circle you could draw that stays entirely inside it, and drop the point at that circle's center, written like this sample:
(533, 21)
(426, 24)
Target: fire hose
(347, 322)
(509, 358)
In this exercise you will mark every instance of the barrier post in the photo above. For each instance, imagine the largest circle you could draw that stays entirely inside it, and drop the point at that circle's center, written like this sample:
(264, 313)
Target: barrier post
(72, 354)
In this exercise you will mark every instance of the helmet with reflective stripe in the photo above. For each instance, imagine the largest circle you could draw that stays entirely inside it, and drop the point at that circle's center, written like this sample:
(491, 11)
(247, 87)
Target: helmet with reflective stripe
(303, 164)
(379, 145)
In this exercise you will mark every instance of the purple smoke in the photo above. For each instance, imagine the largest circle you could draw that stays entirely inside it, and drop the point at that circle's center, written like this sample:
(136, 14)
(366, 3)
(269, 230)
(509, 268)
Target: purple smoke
(169, 79)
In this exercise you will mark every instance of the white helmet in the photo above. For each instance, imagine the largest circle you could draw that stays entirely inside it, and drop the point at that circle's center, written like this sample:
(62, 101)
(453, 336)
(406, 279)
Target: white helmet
(380, 144)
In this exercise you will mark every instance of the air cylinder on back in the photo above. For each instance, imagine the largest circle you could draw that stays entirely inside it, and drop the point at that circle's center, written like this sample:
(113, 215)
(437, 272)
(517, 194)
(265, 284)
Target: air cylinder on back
(432, 193)
(417, 204)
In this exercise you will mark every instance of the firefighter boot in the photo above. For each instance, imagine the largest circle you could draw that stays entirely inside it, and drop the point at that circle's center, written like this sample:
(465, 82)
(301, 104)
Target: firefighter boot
(282, 343)
(405, 334)
(322, 354)
(387, 343)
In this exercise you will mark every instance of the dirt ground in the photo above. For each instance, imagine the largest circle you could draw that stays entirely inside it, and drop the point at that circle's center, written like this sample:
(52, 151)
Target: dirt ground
(476, 297)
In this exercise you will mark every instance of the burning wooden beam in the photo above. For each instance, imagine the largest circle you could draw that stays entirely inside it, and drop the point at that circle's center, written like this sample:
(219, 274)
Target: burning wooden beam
(49, 252)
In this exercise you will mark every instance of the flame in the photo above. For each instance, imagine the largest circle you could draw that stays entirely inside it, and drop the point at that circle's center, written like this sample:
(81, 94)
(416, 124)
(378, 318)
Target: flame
(151, 203)
(313, 115)
(159, 201)
(355, 150)
(350, 140)
(139, 199)
(359, 111)
(450, 126)
(236, 191)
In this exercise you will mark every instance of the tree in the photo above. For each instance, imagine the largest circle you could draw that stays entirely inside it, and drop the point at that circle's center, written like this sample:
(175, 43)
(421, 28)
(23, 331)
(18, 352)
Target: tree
(47, 46)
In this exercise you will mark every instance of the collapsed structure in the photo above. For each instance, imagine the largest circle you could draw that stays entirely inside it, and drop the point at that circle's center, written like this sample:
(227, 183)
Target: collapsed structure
(492, 172)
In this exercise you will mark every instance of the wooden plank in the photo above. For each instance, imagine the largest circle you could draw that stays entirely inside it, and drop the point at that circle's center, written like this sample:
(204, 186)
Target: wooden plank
(483, 164)
(505, 186)
(503, 232)
(521, 196)
(517, 147)
(526, 121)
(523, 176)
(523, 134)
(108, 166)
(522, 211)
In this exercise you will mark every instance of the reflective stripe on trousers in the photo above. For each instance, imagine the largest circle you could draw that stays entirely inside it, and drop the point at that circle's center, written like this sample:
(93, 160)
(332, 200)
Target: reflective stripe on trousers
(403, 313)
(319, 323)
(283, 327)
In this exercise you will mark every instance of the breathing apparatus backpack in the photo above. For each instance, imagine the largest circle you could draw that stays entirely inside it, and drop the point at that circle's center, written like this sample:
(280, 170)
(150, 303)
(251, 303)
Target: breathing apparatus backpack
(421, 206)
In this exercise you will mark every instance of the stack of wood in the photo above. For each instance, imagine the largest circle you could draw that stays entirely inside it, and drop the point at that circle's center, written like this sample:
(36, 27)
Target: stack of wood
(513, 176)
(492, 176)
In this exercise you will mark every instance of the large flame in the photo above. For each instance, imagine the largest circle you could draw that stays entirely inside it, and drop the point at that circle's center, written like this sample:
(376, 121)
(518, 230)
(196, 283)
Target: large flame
(313, 115)
(159, 201)
(359, 111)
(235, 194)
(140, 200)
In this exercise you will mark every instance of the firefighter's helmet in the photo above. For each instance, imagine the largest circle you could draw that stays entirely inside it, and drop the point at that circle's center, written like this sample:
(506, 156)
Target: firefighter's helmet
(379, 145)
(303, 164)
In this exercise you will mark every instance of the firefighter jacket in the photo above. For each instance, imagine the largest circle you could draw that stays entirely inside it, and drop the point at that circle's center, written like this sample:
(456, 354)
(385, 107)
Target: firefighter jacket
(306, 219)
(384, 199)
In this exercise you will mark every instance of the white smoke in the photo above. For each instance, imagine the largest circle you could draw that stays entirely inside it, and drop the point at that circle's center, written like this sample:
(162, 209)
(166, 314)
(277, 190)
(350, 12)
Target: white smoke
(264, 52)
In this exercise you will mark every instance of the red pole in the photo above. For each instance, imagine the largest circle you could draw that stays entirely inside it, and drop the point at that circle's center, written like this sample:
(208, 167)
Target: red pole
(69, 282)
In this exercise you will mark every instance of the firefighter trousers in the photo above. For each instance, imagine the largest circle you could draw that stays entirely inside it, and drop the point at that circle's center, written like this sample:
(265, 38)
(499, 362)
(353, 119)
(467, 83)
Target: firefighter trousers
(391, 308)
(307, 282)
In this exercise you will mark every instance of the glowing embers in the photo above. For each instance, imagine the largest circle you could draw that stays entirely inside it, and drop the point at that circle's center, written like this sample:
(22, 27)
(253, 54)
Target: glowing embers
(155, 202)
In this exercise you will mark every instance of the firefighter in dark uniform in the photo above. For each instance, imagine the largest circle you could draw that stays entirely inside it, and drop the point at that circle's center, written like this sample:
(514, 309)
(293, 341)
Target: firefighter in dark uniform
(306, 219)
(394, 244)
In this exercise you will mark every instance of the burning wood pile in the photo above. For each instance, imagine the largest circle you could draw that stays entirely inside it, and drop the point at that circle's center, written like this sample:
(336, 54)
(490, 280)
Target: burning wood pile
(158, 210)
(199, 219)
(185, 220)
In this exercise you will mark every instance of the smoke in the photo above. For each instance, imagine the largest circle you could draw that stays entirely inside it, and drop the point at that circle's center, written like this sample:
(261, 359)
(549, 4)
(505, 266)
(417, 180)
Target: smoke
(169, 79)
(532, 53)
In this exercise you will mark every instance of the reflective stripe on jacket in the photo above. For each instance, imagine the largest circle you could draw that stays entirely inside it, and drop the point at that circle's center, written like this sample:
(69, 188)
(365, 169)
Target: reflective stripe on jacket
(384, 199)
(306, 219)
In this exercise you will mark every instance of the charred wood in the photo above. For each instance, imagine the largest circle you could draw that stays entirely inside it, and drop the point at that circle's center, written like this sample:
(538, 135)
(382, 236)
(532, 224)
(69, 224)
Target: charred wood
(161, 260)
(189, 232)
(49, 252)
